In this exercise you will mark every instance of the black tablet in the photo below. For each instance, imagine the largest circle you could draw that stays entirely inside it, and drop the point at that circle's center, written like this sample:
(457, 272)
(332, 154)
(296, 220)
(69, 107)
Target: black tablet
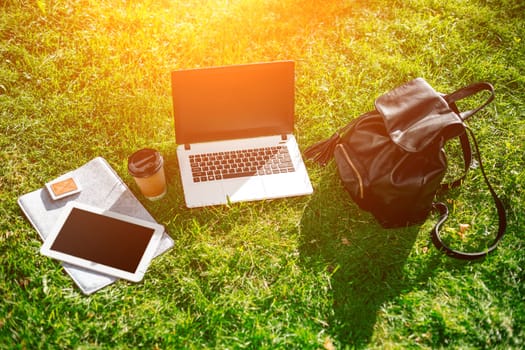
(103, 241)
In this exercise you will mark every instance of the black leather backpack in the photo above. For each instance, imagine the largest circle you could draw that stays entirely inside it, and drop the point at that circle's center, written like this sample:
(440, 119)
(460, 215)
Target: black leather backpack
(392, 162)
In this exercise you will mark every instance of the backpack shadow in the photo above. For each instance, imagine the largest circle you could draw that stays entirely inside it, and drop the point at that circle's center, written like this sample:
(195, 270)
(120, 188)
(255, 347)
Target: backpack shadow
(364, 261)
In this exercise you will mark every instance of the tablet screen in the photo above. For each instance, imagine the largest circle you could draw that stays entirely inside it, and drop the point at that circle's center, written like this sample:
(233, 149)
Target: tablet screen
(102, 239)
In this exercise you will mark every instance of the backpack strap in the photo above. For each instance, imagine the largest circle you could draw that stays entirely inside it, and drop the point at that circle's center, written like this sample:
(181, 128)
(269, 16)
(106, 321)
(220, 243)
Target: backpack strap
(323, 151)
(443, 212)
(451, 99)
(467, 91)
(467, 160)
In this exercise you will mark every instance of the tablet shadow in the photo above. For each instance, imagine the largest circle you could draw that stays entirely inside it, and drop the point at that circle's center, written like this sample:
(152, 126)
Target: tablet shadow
(364, 260)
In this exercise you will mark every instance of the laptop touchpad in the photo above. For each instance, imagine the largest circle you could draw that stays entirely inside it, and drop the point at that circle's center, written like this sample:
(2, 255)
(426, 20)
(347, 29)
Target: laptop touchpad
(243, 189)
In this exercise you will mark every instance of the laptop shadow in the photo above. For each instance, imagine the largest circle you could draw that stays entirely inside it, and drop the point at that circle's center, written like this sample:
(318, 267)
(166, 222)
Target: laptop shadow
(364, 261)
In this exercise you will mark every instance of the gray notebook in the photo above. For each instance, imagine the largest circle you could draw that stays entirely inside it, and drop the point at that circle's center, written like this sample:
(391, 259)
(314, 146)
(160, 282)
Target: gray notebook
(100, 186)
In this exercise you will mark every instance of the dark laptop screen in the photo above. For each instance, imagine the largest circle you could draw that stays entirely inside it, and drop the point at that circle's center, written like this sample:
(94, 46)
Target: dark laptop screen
(232, 102)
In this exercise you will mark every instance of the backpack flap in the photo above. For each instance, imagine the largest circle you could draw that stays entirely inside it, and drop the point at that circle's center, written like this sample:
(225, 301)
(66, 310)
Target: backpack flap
(415, 116)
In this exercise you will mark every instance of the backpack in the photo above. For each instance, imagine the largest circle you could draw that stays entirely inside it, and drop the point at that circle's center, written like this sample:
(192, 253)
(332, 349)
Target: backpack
(392, 161)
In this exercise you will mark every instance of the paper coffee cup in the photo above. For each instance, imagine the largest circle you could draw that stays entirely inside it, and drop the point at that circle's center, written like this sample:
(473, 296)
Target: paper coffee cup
(147, 168)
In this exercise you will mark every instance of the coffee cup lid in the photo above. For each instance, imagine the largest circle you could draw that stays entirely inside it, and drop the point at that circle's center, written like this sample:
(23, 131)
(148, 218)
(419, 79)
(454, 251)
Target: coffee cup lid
(144, 162)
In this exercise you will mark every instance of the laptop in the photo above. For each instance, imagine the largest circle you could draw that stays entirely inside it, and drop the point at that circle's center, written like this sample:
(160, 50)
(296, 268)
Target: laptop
(234, 130)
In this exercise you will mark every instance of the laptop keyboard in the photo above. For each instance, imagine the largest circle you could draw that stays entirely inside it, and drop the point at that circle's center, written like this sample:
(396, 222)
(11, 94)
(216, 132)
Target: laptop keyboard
(242, 163)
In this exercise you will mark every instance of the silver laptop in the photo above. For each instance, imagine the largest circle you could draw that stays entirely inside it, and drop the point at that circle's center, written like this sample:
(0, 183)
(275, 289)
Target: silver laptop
(233, 127)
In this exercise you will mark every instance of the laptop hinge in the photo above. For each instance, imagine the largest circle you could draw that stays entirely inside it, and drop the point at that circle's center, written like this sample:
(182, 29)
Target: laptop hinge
(284, 137)
(187, 146)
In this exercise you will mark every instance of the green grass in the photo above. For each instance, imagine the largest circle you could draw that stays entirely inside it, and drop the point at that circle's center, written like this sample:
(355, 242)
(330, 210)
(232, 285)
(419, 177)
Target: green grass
(80, 79)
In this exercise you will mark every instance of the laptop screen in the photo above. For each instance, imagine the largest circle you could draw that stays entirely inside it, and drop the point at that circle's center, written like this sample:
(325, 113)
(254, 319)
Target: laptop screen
(232, 102)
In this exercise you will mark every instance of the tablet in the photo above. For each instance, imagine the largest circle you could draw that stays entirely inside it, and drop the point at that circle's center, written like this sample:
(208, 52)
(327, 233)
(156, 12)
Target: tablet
(103, 241)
